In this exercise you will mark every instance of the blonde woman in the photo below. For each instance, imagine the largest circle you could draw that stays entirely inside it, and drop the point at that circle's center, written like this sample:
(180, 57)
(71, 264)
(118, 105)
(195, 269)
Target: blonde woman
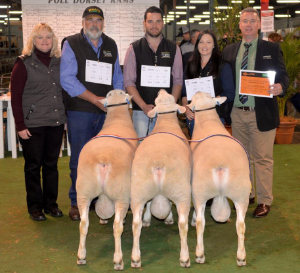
(39, 114)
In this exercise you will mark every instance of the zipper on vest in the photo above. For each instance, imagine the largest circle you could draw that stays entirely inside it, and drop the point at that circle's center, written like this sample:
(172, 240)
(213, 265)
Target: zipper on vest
(155, 60)
(30, 111)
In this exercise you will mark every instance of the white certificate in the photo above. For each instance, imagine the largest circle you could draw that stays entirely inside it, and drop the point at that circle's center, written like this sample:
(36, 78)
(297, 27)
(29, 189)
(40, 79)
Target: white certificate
(205, 85)
(155, 76)
(98, 72)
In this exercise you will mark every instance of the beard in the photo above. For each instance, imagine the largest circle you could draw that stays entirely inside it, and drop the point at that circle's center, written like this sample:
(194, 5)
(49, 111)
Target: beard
(153, 35)
(93, 35)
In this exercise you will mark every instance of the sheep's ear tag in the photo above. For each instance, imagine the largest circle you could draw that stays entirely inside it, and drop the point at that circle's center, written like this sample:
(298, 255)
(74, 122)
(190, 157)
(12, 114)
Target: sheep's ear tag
(218, 103)
(127, 101)
(105, 104)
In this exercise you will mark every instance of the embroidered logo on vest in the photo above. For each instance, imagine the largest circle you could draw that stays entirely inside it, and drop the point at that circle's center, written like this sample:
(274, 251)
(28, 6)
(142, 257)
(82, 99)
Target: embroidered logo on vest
(165, 55)
(107, 53)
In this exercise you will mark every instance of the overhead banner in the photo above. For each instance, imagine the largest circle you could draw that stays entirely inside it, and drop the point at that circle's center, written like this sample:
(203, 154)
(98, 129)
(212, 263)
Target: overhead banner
(123, 19)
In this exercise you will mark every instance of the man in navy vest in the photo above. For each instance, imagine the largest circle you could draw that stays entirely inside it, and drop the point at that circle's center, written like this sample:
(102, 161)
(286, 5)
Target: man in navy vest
(86, 57)
(151, 63)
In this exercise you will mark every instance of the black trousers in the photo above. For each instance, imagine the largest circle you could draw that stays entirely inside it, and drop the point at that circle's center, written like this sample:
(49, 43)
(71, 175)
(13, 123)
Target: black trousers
(41, 150)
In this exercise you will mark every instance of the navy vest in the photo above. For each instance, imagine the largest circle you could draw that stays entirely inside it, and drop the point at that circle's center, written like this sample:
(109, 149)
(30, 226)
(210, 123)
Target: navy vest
(144, 55)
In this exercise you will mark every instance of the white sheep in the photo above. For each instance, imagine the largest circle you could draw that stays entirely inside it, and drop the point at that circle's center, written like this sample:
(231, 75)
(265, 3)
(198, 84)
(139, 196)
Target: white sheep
(104, 171)
(220, 170)
(161, 171)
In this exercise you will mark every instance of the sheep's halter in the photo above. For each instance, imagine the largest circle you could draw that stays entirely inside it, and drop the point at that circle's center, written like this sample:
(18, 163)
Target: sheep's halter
(119, 104)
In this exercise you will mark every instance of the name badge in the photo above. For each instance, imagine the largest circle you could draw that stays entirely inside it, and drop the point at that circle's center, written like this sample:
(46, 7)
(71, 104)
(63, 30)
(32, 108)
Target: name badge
(98, 72)
(107, 53)
(155, 76)
(165, 55)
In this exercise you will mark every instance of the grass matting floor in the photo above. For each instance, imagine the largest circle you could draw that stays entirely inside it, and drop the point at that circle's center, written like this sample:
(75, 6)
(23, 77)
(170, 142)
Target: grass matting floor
(272, 243)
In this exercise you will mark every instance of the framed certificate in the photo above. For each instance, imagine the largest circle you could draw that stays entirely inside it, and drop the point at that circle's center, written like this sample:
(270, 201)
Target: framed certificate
(256, 83)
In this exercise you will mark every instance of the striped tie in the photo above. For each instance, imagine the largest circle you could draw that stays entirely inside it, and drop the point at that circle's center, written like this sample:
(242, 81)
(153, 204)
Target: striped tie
(243, 98)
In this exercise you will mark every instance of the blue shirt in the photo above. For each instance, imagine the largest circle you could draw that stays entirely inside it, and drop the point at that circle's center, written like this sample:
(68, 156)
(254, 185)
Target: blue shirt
(69, 70)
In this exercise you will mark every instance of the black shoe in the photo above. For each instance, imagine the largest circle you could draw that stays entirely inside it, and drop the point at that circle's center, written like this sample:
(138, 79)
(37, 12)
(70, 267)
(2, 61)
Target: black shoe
(74, 213)
(38, 216)
(261, 210)
(54, 212)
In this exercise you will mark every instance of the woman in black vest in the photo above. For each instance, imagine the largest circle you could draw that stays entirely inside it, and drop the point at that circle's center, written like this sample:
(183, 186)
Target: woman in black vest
(206, 61)
(40, 117)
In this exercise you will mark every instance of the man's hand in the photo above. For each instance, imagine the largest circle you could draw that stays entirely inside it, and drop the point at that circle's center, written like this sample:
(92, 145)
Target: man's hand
(100, 105)
(25, 134)
(189, 114)
(147, 107)
(275, 89)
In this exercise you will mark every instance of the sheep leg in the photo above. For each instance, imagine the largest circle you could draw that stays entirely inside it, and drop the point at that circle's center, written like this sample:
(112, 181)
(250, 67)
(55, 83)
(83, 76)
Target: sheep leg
(169, 220)
(137, 211)
(241, 209)
(147, 215)
(120, 212)
(200, 225)
(83, 206)
(183, 213)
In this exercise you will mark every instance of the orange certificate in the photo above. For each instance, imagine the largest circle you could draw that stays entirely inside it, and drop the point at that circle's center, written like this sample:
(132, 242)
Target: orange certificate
(256, 83)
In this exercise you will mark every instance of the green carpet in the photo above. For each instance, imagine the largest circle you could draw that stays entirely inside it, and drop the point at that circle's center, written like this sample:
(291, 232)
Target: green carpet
(272, 243)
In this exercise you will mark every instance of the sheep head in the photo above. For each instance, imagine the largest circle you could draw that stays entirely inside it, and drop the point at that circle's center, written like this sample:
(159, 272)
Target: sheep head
(115, 97)
(165, 103)
(203, 101)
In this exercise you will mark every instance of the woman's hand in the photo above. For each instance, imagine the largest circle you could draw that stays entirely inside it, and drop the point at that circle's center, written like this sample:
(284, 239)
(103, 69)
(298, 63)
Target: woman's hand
(25, 134)
(189, 114)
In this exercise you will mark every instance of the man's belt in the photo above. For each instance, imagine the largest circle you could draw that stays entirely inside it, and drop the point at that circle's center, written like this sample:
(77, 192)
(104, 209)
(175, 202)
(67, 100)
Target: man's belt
(246, 108)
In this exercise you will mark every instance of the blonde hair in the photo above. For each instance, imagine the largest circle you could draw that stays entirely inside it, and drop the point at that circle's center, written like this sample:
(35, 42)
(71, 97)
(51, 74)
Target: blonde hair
(28, 49)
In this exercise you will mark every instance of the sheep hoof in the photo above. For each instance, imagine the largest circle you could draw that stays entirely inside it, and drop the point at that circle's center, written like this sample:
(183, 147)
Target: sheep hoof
(241, 262)
(193, 223)
(200, 260)
(81, 261)
(119, 266)
(169, 223)
(136, 264)
(146, 224)
(186, 263)
(103, 222)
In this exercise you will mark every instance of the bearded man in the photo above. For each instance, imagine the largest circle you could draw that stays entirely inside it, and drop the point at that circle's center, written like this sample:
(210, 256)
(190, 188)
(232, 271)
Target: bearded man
(151, 63)
(89, 70)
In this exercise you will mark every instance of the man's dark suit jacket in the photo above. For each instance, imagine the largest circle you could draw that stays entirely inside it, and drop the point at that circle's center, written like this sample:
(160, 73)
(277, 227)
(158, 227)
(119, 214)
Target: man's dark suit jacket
(268, 57)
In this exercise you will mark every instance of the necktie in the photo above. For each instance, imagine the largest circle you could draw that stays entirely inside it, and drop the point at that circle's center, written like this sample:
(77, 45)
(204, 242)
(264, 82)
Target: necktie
(243, 98)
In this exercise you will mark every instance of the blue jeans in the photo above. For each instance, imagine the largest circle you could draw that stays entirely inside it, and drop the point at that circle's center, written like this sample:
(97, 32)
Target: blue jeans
(142, 124)
(190, 125)
(82, 126)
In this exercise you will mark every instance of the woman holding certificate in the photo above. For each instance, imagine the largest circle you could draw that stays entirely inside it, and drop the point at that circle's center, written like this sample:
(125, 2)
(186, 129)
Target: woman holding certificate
(206, 61)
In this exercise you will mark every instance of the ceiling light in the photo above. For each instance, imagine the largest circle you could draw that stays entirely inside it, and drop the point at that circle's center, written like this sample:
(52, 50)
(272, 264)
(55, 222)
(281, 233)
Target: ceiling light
(202, 16)
(198, 1)
(177, 12)
(282, 15)
(288, 1)
(204, 23)
(15, 12)
(3, 16)
(1, 21)
(223, 7)
(5, 7)
(12, 19)
(185, 7)
(258, 7)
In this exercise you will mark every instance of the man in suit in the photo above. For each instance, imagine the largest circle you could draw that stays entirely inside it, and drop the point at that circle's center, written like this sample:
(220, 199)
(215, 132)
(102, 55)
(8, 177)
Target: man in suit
(254, 119)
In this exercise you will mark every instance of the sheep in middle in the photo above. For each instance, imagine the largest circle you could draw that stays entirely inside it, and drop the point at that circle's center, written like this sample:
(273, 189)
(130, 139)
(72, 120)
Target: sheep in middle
(161, 172)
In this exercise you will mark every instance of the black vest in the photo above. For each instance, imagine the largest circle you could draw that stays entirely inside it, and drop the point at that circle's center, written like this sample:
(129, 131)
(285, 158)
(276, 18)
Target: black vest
(217, 84)
(84, 51)
(144, 55)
